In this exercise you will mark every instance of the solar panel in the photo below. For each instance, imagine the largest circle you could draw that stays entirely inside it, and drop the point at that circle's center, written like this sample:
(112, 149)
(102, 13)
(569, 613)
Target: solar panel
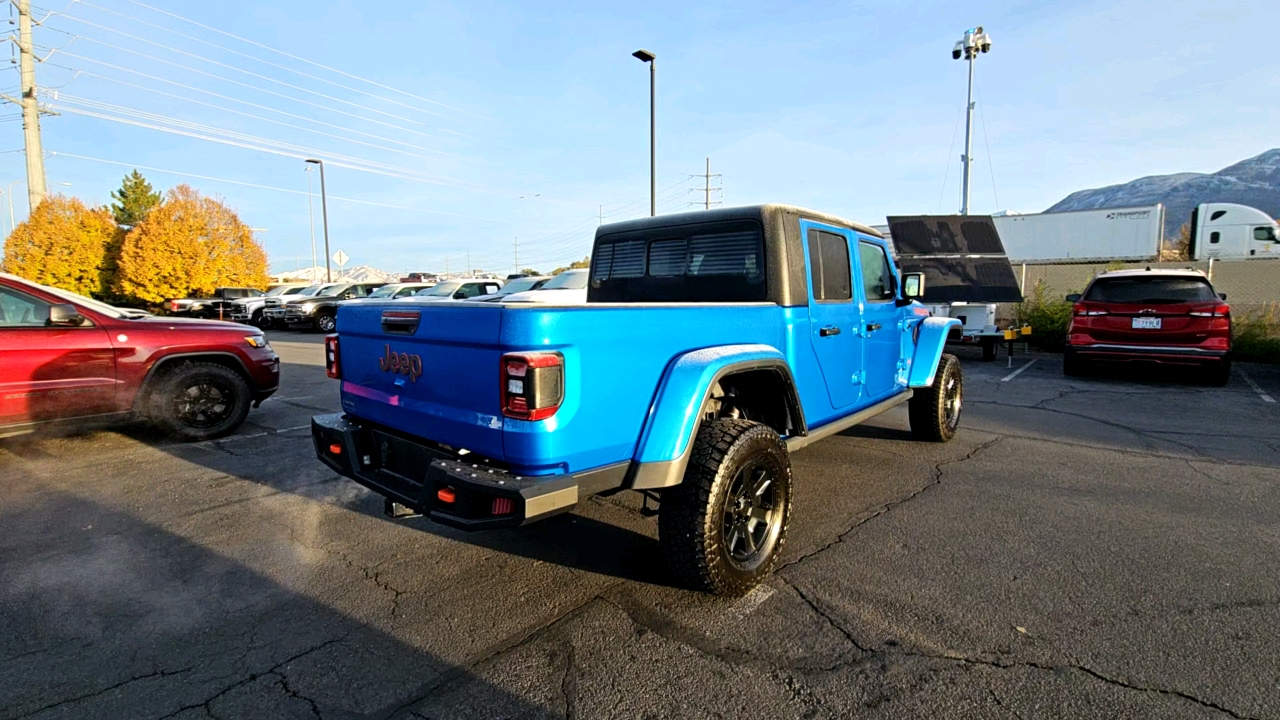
(961, 256)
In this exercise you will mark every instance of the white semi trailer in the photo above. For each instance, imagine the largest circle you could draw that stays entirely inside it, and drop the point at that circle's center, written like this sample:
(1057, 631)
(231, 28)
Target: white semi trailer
(1131, 234)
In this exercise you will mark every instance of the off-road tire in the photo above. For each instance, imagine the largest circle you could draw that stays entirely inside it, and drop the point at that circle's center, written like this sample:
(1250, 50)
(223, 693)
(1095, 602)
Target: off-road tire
(933, 416)
(692, 520)
(325, 322)
(1073, 365)
(170, 414)
(1218, 375)
(988, 349)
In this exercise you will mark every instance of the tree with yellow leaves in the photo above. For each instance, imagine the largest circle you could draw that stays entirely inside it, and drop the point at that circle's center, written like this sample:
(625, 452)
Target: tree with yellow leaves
(65, 244)
(189, 245)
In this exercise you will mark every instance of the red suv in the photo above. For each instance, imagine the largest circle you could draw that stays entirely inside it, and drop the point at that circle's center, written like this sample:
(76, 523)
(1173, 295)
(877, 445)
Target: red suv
(64, 356)
(1165, 316)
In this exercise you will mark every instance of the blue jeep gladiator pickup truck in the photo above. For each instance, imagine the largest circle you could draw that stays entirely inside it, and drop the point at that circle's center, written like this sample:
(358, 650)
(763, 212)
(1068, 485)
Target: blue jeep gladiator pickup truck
(712, 344)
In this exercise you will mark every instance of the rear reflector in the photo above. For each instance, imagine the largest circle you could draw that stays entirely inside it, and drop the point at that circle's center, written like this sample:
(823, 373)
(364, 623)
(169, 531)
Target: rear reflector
(532, 384)
(331, 363)
(503, 506)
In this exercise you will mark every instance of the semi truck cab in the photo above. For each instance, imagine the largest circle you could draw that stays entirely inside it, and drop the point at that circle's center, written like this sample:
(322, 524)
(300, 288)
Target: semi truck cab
(1228, 230)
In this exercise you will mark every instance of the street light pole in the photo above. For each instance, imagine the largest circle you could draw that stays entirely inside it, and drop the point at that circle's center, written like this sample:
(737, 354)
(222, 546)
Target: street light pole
(648, 57)
(324, 211)
(975, 41)
(311, 220)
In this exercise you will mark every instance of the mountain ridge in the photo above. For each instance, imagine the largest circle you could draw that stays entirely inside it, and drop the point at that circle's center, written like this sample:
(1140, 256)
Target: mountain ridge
(1254, 182)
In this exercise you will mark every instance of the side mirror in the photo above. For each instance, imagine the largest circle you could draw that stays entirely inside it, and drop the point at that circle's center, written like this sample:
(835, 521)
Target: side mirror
(1222, 296)
(913, 286)
(1073, 297)
(348, 295)
(65, 315)
(460, 295)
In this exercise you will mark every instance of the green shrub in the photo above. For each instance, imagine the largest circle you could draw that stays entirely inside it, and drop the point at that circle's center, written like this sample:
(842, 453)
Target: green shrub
(1048, 318)
(1256, 335)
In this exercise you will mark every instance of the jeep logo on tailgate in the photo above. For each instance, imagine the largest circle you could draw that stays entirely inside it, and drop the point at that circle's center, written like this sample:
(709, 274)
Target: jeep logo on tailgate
(402, 363)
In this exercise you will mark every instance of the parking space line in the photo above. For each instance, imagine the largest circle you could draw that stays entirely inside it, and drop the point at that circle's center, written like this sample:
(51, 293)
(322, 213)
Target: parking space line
(291, 429)
(1261, 393)
(1015, 373)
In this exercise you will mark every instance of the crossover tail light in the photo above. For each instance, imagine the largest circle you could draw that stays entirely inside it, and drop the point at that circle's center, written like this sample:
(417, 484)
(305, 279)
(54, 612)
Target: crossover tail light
(1082, 309)
(532, 384)
(1215, 311)
(332, 368)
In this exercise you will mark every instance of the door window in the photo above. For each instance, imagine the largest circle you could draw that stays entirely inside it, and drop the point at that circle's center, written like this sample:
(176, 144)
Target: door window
(1265, 234)
(21, 310)
(877, 277)
(829, 266)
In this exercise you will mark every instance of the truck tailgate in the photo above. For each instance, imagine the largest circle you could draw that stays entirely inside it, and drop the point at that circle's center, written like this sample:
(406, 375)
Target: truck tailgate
(420, 368)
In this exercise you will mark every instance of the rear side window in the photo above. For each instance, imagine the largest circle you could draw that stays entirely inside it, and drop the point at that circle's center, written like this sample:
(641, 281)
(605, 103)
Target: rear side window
(1150, 290)
(829, 266)
(706, 262)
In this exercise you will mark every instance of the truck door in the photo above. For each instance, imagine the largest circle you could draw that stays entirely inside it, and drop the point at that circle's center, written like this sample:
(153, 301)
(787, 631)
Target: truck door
(833, 316)
(881, 347)
(49, 373)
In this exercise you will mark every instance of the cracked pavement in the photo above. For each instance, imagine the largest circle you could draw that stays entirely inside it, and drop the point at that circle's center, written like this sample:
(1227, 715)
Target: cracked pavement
(1086, 547)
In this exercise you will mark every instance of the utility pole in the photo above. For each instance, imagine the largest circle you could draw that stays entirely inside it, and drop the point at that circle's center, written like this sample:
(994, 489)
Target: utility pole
(517, 252)
(707, 203)
(601, 215)
(324, 213)
(974, 42)
(30, 107)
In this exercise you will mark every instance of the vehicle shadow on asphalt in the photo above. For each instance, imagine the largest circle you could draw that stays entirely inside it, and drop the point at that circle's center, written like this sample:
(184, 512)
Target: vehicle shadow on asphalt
(573, 540)
(116, 617)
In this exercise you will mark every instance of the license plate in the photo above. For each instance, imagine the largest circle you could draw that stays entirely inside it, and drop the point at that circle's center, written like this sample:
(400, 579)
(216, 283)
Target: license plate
(1146, 323)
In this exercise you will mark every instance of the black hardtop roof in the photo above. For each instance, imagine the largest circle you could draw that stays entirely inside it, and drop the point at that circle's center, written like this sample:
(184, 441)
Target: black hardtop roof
(764, 213)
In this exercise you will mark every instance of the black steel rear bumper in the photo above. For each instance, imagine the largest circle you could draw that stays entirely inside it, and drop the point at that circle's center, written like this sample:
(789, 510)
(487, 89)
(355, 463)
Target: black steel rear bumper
(421, 477)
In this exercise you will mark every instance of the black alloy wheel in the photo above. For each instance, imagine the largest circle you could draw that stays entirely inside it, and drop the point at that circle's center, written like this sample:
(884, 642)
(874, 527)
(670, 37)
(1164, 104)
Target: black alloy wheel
(199, 401)
(326, 323)
(751, 515)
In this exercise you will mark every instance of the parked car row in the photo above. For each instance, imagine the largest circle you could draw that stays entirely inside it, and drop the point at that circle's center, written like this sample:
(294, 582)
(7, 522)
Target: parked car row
(315, 307)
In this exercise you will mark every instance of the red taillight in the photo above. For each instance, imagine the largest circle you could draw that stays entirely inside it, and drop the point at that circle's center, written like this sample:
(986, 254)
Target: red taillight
(532, 385)
(1222, 310)
(503, 506)
(331, 365)
(173, 306)
(335, 449)
(446, 495)
(1087, 310)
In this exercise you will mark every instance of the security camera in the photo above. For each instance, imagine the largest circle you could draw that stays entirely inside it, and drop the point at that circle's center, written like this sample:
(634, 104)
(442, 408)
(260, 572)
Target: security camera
(955, 54)
(986, 47)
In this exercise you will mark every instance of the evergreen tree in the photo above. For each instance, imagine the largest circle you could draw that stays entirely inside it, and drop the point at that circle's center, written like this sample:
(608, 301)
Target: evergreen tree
(66, 245)
(134, 200)
(190, 244)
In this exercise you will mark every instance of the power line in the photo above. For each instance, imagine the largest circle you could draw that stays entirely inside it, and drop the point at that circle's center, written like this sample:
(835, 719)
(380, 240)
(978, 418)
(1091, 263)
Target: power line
(265, 145)
(302, 59)
(250, 73)
(253, 87)
(235, 100)
(286, 68)
(262, 187)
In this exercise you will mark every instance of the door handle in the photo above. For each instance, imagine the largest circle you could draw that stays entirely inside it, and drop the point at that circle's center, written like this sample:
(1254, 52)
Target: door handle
(872, 327)
(828, 331)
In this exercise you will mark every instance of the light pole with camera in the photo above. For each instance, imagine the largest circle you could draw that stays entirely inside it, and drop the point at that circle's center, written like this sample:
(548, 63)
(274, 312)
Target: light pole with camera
(974, 42)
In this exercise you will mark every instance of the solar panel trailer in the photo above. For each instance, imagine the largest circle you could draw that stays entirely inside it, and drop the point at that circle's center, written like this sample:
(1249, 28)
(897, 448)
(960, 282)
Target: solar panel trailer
(966, 271)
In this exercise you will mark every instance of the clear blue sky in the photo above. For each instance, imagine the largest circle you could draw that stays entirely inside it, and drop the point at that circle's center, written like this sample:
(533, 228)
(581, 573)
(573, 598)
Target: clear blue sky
(849, 108)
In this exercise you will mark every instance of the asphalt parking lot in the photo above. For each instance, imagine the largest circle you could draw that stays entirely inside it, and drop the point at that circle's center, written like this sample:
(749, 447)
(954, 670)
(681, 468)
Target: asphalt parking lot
(1097, 547)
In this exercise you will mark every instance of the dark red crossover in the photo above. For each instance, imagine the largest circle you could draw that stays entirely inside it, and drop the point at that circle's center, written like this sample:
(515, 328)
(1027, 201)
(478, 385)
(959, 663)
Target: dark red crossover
(1169, 317)
(64, 356)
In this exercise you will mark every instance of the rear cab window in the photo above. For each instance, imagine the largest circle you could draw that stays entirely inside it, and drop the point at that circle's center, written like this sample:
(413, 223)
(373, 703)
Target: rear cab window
(1150, 290)
(704, 262)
